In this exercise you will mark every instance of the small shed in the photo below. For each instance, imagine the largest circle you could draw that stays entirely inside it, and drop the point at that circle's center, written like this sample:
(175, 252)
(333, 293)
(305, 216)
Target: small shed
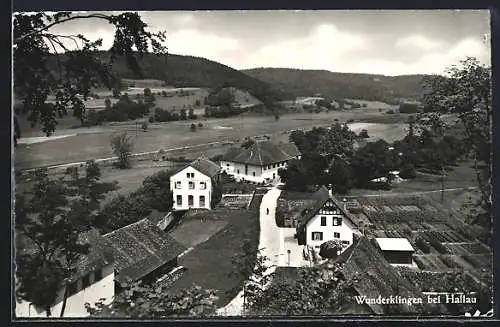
(396, 250)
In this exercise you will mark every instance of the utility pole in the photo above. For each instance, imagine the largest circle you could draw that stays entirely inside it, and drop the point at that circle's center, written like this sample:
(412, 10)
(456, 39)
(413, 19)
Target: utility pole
(442, 184)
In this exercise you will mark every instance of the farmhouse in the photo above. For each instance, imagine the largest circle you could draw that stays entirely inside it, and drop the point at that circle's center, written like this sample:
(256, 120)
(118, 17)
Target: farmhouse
(260, 162)
(142, 251)
(192, 185)
(376, 285)
(396, 250)
(325, 220)
(92, 280)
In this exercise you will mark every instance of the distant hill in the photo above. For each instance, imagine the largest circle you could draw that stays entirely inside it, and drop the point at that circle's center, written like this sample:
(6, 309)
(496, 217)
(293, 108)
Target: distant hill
(187, 71)
(339, 85)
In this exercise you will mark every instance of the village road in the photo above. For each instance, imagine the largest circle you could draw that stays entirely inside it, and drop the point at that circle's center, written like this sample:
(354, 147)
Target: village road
(270, 242)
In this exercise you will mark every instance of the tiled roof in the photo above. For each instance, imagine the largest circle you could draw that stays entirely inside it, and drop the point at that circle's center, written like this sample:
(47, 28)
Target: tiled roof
(206, 167)
(262, 153)
(322, 196)
(141, 248)
(374, 276)
(202, 165)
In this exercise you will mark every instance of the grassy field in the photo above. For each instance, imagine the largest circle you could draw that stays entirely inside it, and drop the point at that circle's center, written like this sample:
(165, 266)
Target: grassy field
(209, 264)
(370, 105)
(94, 143)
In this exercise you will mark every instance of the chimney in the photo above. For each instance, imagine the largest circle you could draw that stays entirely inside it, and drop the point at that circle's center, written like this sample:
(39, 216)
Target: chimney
(330, 192)
(344, 201)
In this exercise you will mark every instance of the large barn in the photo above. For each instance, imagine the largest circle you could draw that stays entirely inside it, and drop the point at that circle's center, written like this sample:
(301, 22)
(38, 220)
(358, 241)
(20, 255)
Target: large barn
(260, 162)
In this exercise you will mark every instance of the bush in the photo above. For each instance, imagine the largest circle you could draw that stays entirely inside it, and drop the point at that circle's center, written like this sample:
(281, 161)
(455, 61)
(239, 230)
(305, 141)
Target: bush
(390, 111)
(408, 172)
(151, 119)
(144, 126)
(364, 134)
(193, 127)
(200, 125)
(329, 249)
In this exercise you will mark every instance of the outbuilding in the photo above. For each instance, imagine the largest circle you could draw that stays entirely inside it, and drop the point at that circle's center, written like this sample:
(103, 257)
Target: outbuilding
(396, 250)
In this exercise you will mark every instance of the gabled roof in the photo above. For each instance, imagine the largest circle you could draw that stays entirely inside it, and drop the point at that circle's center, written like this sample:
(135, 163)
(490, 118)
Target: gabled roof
(374, 276)
(203, 165)
(262, 153)
(394, 244)
(322, 195)
(140, 248)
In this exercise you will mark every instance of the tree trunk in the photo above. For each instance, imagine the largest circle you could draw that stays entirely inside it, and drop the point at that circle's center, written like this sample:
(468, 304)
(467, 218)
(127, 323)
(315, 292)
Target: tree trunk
(65, 299)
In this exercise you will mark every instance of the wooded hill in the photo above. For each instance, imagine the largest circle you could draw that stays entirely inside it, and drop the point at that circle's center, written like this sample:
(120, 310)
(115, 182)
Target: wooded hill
(332, 85)
(187, 71)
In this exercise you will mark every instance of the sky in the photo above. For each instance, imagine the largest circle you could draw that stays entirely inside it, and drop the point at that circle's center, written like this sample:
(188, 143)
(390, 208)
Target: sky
(390, 42)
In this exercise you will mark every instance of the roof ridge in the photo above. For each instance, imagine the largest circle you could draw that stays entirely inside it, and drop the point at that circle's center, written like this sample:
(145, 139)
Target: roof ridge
(123, 227)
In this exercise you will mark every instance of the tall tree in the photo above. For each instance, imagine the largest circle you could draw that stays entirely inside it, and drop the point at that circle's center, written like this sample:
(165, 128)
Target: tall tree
(40, 70)
(122, 147)
(51, 244)
(50, 216)
(466, 91)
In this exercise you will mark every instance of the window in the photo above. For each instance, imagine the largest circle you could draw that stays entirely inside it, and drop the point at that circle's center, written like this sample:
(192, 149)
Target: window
(336, 235)
(238, 171)
(179, 200)
(203, 185)
(346, 242)
(188, 175)
(202, 200)
(178, 185)
(253, 173)
(191, 185)
(85, 281)
(190, 200)
(323, 221)
(227, 165)
(337, 221)
(317, 236)
(73, 288)
(274, 165)
(97, 275)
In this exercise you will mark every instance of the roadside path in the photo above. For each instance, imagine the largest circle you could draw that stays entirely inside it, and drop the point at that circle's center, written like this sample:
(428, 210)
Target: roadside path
(270, 243)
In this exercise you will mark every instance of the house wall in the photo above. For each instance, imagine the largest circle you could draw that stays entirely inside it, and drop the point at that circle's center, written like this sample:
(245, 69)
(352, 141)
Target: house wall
(75, 304)
(314, 225)
(398, 257)
(184, 190)
(267, 173)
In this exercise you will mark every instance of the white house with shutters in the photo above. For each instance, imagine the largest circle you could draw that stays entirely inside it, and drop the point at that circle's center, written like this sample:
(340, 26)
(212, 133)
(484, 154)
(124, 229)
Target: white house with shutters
(93, 280)
(260, 162)
(327, 219)
(192, 185)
